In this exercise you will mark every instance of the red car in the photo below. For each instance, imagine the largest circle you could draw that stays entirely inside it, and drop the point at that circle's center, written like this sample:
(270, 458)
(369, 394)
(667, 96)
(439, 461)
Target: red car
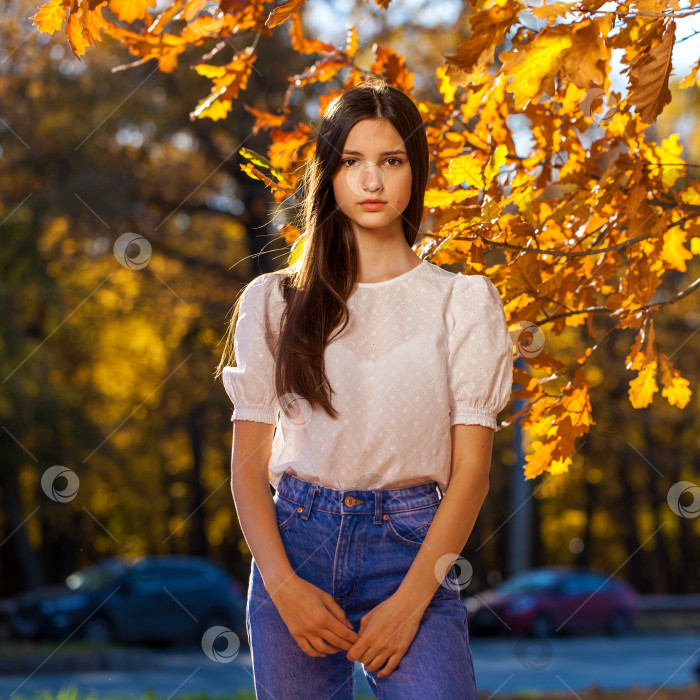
(543, 602)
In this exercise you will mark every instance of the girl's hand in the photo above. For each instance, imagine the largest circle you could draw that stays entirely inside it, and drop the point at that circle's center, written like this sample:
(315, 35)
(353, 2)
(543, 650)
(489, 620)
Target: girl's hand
(314, 619)
(386, 633)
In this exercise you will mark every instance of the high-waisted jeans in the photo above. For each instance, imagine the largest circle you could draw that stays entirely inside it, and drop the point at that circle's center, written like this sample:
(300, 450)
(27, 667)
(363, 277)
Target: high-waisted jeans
(359, 553)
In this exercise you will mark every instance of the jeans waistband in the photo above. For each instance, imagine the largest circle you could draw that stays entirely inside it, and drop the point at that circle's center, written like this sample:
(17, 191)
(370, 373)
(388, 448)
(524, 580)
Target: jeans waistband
(308, 495)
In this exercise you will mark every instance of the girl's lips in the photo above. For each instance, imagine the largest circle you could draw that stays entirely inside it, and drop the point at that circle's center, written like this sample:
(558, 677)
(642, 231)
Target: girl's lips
(372, 206)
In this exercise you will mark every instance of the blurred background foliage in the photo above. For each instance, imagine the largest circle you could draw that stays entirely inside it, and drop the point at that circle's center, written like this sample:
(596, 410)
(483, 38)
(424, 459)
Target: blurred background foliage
(108, 370)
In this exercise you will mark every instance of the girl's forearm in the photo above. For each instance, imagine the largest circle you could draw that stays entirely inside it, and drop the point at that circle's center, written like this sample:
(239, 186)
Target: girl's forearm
(258, 519)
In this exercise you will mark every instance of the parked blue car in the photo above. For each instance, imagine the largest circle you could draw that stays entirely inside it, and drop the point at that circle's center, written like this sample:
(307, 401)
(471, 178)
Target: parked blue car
(156, 599)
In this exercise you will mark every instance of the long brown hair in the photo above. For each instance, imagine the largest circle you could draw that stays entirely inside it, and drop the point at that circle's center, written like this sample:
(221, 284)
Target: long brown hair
(317, 286)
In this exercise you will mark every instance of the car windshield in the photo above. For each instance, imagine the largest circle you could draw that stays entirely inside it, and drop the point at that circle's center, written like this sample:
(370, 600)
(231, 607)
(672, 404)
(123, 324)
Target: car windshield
(529, 582)
(94, 577)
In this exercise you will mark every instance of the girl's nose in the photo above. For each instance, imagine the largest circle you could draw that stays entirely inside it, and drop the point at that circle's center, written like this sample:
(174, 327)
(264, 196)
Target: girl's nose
(372, 178)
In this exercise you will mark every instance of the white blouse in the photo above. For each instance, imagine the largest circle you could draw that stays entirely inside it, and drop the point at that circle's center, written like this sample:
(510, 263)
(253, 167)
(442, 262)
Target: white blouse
(421, 352)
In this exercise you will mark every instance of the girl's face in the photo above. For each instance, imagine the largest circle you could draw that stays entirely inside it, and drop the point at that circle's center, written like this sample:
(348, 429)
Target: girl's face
(374, 165)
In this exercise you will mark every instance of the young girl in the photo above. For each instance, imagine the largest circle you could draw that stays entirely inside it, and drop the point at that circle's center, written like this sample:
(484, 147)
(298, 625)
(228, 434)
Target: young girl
(366, 388)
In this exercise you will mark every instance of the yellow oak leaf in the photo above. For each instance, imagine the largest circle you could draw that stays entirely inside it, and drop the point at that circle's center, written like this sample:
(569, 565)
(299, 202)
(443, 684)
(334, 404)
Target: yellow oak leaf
(539, 459)
(444, 198)
(533, 69)
(644, 386)
(465, 169)
(676, 388)
(560, 466)
(674, 252)
(445, 87)
(691, 194)
(50, 17)
(74, 32)
(497, 159)
(131, 10)
(551, 11)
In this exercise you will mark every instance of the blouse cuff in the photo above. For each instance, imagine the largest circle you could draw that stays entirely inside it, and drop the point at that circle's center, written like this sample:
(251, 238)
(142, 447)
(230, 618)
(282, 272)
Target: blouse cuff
(474, 416)
(258, 414)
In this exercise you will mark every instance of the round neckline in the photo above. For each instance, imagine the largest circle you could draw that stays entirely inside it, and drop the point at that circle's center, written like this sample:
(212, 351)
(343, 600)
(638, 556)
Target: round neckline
(402, 276)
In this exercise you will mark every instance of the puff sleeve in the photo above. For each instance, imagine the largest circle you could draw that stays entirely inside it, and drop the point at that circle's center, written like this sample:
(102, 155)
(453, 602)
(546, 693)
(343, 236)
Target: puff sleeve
(250, 385)
(480, 361)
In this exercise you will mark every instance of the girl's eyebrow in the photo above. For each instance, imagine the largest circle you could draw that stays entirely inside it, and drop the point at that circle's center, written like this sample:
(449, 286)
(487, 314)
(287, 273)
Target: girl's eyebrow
(385, 153)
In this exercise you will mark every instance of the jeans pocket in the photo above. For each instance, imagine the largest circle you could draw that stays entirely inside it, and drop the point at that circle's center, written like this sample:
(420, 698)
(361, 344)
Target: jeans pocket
(409, 527)
(286, 512)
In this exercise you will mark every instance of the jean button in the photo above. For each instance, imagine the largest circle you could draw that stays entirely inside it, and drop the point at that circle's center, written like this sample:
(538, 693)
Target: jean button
(351, 501)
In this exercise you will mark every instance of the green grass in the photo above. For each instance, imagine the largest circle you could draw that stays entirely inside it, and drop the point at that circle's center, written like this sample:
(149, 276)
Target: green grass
(71, 693)
(689, 692)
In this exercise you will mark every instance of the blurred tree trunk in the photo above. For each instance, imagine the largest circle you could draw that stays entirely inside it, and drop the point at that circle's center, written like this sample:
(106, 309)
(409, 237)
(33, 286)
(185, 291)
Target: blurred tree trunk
(585, 558)
(19, 563)
(638, 567)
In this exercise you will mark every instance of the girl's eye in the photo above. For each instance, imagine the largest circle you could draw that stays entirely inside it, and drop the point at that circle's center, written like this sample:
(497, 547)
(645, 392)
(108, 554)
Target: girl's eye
(398, 160)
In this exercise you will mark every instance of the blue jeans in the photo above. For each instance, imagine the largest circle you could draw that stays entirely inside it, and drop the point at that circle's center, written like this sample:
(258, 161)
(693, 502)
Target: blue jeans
(358, 552)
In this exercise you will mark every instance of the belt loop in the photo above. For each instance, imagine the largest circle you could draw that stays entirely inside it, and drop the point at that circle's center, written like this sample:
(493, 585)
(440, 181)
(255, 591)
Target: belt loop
(310, 494)
(377, 506)
(439, 490)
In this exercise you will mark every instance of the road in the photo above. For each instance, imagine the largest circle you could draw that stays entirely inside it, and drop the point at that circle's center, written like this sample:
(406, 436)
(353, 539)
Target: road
(502, 665)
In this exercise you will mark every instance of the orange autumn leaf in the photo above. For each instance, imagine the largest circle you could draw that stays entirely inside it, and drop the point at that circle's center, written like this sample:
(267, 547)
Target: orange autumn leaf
(253, 172)
(576, 403)
(674, 251)
(93, 22)
(445, 198)
(304, 46)
(50, 16)
(351, 42)
(533, 71)
(676, 388)
(392, 67)
(643, 387)
(649, 76)
(231, 78)
(488, 28)
(132, 10)
(74, 31)
(162, 47)
(283, 12)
